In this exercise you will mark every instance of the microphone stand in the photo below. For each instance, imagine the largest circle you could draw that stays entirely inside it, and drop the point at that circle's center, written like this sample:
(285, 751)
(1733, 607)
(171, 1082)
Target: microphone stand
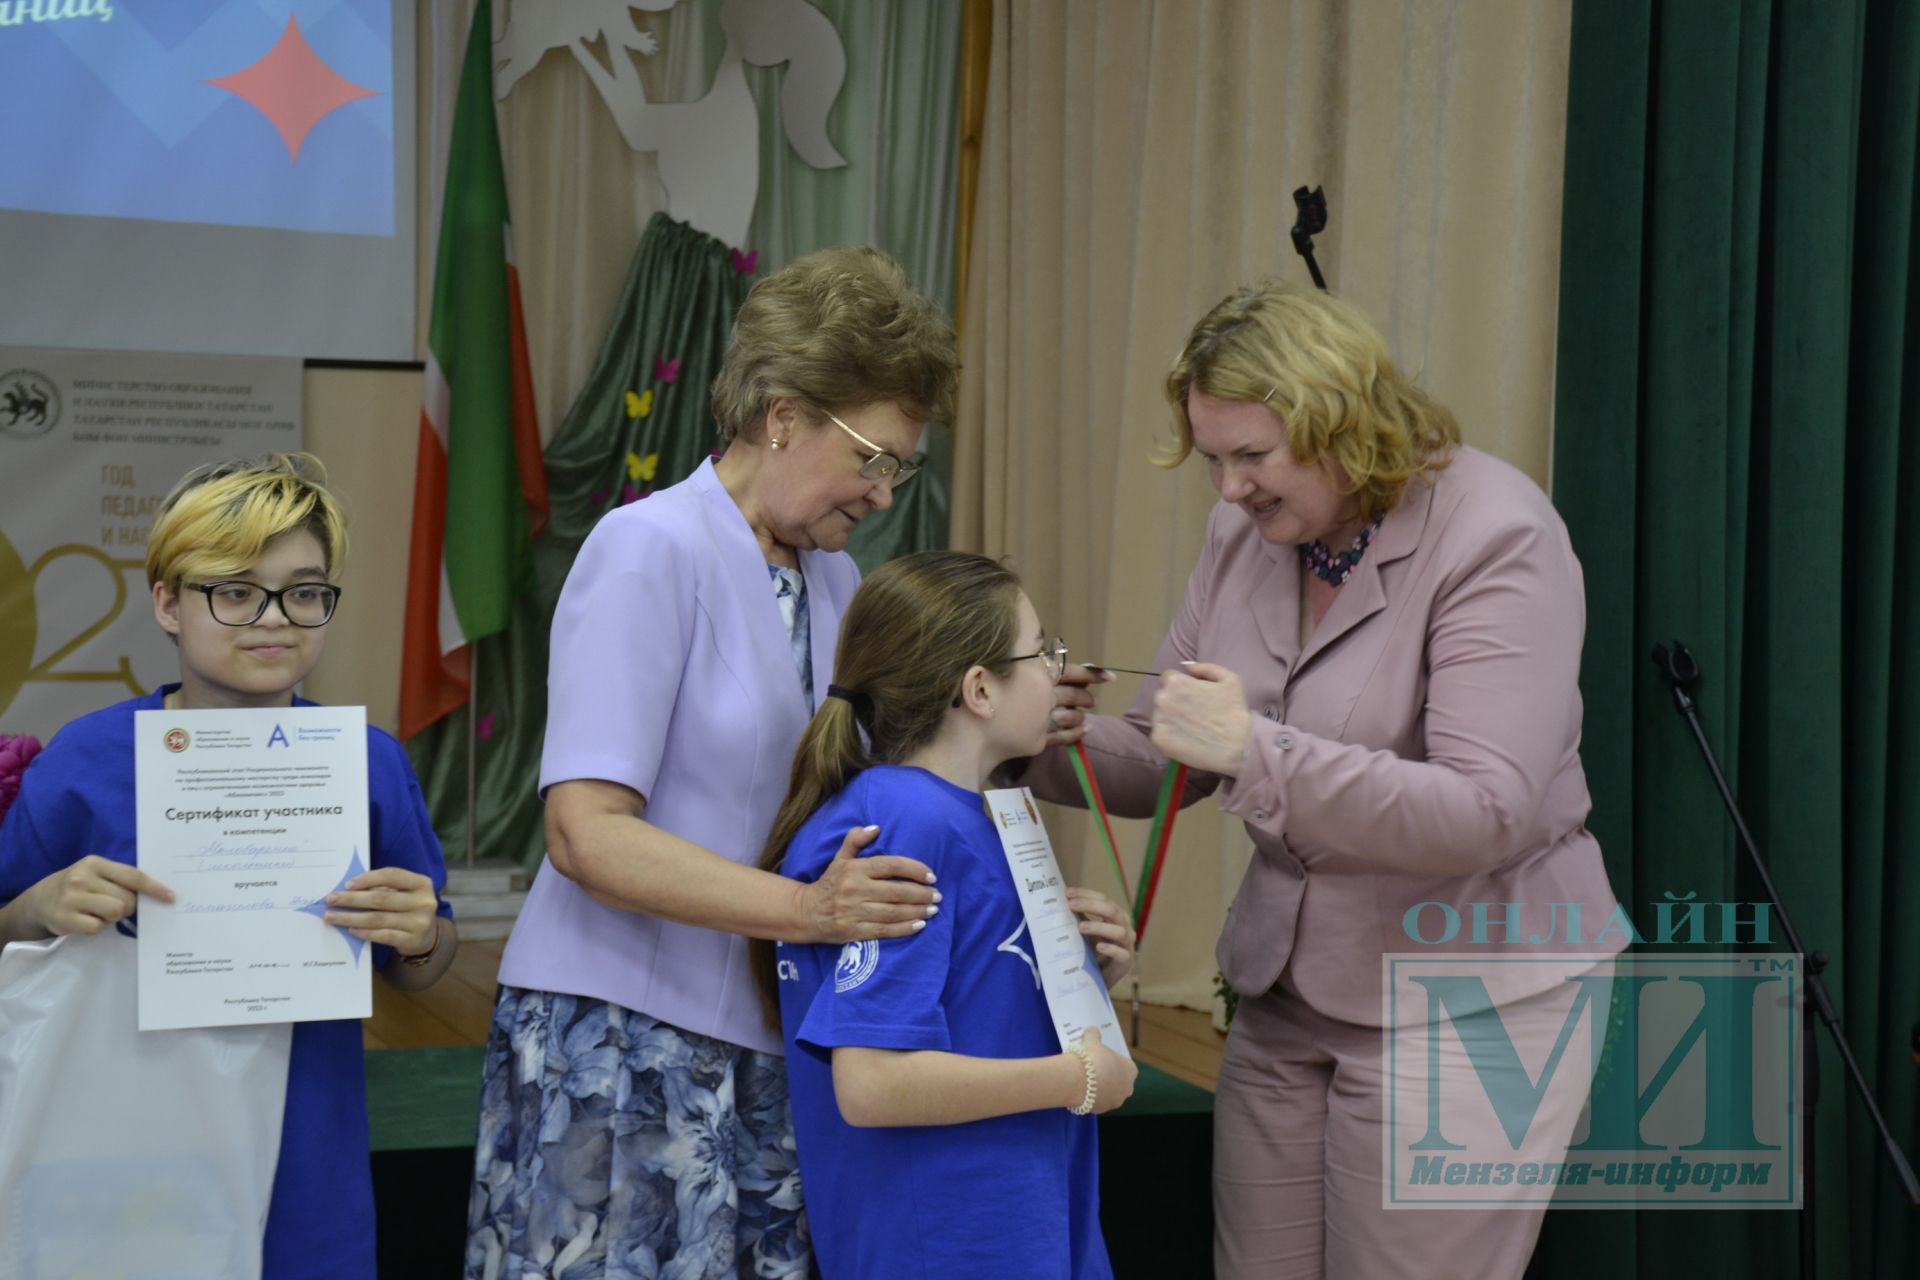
(1680, 671)
(1312, 205)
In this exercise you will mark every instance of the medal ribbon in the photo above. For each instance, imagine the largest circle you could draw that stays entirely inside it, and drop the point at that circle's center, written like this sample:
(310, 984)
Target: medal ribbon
(1165, 810)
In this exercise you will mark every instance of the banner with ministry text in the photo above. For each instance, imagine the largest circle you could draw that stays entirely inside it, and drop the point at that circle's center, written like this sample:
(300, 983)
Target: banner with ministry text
(90, 442)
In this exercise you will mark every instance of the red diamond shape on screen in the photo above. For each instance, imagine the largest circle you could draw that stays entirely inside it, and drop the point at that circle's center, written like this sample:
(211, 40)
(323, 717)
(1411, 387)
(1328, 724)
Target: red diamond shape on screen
(293, 88)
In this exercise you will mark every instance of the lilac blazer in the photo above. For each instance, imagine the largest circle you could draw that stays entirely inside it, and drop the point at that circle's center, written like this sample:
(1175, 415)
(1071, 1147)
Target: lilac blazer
(671, 674)
(1423, 747)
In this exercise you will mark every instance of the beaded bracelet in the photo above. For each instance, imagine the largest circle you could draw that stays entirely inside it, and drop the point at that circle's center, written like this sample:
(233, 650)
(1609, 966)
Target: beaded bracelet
(1079, 1051)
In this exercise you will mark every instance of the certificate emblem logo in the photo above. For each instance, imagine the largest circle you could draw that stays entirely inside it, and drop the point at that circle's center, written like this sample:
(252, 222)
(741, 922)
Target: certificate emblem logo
(177, 740)
(858, 960)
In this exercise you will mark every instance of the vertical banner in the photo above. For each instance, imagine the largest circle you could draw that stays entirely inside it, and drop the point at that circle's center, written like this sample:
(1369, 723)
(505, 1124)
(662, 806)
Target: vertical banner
(90, 442)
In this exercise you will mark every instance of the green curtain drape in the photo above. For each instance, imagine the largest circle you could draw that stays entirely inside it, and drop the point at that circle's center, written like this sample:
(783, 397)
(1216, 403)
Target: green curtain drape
(1735, 428)
(640, 423)
(896, 122)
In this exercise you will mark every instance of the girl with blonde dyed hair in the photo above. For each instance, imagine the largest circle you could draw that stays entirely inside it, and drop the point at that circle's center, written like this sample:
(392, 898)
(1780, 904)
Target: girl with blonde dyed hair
(220, 517)
(1376, 668)
(242, 559)
(932, 1060)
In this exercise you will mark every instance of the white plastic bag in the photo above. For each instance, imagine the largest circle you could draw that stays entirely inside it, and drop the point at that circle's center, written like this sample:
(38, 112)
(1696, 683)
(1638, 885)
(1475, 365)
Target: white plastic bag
(128, 1153)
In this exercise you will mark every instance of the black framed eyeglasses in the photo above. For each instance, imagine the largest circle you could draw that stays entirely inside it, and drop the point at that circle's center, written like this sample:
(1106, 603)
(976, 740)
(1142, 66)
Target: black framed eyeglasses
(882, 465)
(241, 604)
(1052, 655)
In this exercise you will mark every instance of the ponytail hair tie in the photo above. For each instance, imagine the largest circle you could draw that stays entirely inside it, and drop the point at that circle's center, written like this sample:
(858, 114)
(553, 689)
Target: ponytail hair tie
(862, 704)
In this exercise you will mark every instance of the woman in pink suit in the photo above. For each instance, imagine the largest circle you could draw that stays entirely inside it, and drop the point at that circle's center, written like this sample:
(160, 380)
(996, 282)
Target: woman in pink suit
(1382, 640)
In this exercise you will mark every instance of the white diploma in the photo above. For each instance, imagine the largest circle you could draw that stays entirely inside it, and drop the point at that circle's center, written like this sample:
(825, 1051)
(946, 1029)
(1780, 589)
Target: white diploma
(251, 817)
(1068, 966)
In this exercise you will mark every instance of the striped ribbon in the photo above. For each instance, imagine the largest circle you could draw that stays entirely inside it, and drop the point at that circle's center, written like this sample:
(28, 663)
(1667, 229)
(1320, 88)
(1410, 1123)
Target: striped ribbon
(1165, 809)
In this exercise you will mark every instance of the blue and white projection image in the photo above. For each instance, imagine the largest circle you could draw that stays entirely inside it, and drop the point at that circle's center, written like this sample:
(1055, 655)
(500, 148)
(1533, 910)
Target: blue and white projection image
(240, 113)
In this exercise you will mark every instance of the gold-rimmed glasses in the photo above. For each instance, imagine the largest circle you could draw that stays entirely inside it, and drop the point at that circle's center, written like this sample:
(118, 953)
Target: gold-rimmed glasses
(882, 465)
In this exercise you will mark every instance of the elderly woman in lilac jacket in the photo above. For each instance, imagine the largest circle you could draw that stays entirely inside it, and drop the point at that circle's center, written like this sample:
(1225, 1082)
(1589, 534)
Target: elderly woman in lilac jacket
(634, 1110)
(1383, 643)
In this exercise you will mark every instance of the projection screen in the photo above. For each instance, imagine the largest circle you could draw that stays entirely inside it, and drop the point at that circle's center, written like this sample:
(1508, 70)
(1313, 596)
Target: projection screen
(229, 176)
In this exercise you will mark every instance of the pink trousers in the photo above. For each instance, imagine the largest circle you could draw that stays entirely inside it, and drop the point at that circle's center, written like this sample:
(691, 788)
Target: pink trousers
(1298, 1157)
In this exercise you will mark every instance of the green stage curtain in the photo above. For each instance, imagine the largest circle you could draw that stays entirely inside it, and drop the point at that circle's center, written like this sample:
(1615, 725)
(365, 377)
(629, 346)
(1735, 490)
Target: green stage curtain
(1735, 427)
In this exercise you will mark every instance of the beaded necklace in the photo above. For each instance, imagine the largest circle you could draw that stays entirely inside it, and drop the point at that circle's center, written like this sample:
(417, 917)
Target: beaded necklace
(1336, 567)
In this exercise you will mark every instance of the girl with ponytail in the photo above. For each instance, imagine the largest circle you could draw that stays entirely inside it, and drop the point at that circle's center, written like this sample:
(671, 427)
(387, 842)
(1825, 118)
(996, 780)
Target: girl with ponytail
(930, 1062)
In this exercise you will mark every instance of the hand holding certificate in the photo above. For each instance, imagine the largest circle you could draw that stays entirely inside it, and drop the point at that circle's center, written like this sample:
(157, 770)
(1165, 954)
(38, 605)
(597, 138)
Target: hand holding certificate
(1070, 974)
(253, 818)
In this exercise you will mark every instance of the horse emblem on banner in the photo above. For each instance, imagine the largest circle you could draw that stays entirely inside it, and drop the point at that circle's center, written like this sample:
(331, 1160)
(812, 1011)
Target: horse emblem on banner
(29, 403)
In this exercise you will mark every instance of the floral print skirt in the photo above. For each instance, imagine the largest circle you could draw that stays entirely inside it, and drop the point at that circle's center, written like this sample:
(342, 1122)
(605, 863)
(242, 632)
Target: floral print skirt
(614, 1146)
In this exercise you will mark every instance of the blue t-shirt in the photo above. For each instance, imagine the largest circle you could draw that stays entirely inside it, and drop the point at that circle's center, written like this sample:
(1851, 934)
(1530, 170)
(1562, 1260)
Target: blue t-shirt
(77, 799)
(1014, 1195)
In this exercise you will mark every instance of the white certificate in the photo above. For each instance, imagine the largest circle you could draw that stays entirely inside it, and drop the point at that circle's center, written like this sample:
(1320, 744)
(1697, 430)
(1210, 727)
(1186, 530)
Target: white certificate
(251, 817)
(1068, 966)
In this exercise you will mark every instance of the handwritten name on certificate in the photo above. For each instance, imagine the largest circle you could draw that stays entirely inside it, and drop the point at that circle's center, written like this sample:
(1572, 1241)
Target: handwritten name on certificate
(252, 817)
(1069, 968)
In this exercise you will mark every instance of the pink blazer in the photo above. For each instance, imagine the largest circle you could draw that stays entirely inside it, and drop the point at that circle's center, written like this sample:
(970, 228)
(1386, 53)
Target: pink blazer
(1424, 747)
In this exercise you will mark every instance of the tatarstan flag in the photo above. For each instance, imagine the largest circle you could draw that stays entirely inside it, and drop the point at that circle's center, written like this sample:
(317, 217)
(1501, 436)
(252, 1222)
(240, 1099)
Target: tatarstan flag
(481, 491)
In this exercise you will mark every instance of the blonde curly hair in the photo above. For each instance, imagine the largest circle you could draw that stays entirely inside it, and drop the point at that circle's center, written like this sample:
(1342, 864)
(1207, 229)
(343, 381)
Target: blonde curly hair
(1320, 365)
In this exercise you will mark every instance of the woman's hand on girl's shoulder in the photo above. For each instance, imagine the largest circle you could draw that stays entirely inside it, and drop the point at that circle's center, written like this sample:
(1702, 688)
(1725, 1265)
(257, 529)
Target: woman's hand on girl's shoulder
(857, 899)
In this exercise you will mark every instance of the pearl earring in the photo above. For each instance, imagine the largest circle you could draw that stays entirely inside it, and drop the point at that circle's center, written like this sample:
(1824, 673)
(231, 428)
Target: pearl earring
(776, 444)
